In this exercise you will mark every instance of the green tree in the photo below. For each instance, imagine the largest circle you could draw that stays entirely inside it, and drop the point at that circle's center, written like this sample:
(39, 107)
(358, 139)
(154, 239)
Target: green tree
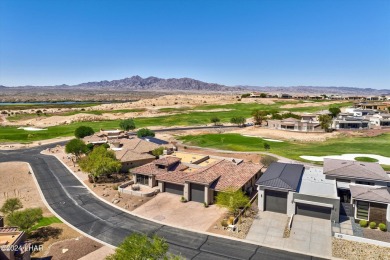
(100, 162)
(263, 95)
(83, 131)
(325, 122)
(239, 120)
(245, 95)
(334, 111)
(232, 200)
(143, 132)
(25, 219)
(158, 151)
(76, 147)
(141, 247)
(215, 120)
(259, 116)
(127, 124)
(11, 205)
(267, 160)
(267, 146)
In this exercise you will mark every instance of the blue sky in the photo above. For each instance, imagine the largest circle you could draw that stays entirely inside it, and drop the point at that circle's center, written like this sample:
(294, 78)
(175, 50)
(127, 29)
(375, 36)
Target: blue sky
(260, 43)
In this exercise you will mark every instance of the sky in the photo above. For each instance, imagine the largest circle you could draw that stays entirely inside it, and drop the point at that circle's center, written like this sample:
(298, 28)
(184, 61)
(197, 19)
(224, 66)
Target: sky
(256, 43)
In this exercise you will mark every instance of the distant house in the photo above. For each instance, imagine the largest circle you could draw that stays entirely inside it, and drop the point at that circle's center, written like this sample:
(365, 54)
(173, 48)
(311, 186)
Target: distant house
(380, 120)
(381, 106)
(15, 240)
(307, 123)
(347, 121)
(197, 177)
(285, 96)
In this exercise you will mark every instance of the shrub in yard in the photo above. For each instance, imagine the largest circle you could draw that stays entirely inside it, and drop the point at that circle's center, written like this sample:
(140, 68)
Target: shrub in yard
(224, 223)
(205, 205)
(373, 225)
(363, 223)
(182, 199)
(115, 187)
(382, 227)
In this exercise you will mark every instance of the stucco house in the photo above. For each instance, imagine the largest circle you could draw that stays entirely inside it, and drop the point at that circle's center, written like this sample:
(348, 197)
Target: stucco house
(15, 240)
(294, 189)
(363, 189)
(197, 178)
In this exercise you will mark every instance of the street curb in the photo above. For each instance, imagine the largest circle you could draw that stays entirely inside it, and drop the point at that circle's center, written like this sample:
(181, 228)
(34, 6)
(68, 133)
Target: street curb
(175, 226)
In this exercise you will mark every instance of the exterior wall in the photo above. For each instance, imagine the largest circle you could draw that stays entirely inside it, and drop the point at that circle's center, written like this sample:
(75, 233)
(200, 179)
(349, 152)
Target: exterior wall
(335, 213)
(290, 203)
(152, 181)
(126, 166)
(261, 198)
(161, 186)
(187, 191)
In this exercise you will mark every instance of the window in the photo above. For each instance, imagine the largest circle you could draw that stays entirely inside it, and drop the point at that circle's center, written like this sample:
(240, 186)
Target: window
(142, 179)
(362, 209)
(365, 183)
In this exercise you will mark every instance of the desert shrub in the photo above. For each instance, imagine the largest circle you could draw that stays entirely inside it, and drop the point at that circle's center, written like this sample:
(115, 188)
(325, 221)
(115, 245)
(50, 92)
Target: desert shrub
(372, 225)
(382, 227)
(83, 131)
(363, 223)
(266, 160)
(106, 145)
(224, 223)
(143, 132)
(115, 187)
(127, 124)
(182, 199)
(90, 147)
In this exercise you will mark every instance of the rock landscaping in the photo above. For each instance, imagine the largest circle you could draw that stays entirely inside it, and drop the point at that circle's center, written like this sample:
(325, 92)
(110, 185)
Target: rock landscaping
(354, 250)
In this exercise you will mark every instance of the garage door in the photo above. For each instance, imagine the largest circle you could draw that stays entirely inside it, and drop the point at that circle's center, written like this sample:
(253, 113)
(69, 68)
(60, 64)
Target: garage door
(197, 192)
(313, 211)
(174, 188)
(276, 201)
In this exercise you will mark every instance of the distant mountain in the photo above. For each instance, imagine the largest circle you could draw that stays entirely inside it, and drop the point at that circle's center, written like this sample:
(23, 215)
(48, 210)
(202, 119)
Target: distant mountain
(157, 84)
(317, 90)
(137, 83)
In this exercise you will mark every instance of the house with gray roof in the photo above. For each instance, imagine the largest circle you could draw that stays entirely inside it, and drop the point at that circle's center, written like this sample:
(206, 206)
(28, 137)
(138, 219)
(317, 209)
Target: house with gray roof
(363, 189)
(294, 189)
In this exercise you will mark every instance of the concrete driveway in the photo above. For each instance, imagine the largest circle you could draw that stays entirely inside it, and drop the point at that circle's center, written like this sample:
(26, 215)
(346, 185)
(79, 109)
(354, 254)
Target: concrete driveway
(308, 235)
(167, 208)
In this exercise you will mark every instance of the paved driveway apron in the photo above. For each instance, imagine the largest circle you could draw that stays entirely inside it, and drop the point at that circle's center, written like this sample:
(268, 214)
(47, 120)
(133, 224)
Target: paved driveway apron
(75, 204)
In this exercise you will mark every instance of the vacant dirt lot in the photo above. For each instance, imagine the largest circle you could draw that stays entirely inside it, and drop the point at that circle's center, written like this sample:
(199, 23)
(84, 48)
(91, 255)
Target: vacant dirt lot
(17, 182)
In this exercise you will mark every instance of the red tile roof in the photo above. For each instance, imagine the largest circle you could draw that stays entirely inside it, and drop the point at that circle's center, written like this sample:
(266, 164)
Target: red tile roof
(167, 161)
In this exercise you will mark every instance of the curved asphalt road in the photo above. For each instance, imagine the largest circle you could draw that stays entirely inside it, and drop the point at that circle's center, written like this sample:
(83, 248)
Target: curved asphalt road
(74, 203)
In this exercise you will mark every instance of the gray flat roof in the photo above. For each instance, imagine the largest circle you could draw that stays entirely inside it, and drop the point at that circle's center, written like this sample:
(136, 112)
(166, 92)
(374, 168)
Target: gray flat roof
(314, 183)
(282, 175)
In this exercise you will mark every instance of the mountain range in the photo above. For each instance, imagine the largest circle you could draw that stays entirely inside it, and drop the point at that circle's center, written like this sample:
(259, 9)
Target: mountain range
(137, 83)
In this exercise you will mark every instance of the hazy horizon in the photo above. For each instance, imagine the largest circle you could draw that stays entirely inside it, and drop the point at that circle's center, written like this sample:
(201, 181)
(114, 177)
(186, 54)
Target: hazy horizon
(251, 43)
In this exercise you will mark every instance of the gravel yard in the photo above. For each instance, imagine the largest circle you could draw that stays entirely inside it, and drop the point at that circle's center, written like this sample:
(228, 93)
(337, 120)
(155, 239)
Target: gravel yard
(358, 251)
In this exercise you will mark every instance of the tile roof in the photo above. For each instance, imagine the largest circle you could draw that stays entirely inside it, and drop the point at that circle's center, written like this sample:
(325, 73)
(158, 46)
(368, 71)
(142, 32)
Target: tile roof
(354, 169)
(126, 155)
(370, 193)
(282, 175)
(167, 161)
(220, 175)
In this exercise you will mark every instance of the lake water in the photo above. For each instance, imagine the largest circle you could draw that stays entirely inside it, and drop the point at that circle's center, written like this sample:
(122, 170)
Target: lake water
(51, 103)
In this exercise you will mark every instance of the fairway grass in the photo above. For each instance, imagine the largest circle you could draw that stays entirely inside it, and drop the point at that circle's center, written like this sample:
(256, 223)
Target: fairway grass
(365, 159)
(366, 145)
(190, 118)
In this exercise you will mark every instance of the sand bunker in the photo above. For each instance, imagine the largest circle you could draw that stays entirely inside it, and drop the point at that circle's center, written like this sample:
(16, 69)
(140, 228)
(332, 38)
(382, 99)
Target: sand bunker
(32, 128)
(381, 159)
